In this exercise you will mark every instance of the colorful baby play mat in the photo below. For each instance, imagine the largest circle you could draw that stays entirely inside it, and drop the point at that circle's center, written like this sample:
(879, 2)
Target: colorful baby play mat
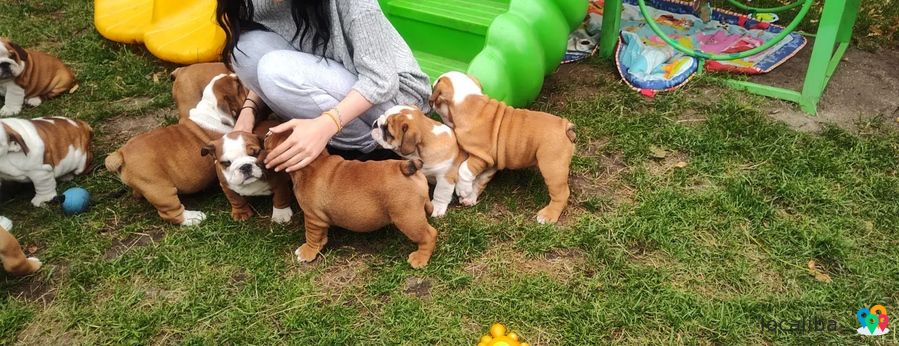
(648, 63)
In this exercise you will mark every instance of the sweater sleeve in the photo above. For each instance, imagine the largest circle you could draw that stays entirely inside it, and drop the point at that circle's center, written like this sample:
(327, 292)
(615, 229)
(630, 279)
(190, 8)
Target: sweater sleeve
(378, 74)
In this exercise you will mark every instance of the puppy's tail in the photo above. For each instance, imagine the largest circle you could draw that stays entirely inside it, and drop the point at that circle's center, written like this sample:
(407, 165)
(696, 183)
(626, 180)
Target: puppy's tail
(114, 162)
(571, 133)
(411, 166)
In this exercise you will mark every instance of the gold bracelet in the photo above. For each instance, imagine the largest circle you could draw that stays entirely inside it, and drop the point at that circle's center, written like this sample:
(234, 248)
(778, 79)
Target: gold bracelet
(330, 113)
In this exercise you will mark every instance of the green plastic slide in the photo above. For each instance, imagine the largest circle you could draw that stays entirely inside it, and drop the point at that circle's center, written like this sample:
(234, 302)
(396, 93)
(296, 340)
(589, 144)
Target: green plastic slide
(509, 45)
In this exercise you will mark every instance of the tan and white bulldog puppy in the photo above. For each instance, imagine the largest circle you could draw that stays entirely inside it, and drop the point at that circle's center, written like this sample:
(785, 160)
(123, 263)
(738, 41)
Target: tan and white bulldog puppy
(41, 150)
(361, 196)
(160, 164)
(242, 174)
(14, 260)
(497, 136)
(189, 83)
(408, 132)
(28, 76)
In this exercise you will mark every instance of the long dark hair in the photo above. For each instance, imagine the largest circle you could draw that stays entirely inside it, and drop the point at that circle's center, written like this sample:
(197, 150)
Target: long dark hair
(310, 16)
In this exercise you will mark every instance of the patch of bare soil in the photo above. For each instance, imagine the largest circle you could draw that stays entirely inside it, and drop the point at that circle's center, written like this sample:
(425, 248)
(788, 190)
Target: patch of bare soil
(572, 82)
(45, 330)
(341, 274)
(120, 247)
(673, 160)
(418, 287)
(123, 127)
(501, 261)
(863, 88)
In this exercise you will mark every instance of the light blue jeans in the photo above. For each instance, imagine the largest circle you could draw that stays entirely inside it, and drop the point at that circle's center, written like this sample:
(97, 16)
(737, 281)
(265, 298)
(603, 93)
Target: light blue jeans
(297, 85)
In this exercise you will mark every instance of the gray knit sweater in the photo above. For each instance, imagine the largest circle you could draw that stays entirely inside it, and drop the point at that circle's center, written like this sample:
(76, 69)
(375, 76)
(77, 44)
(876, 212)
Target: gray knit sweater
(365, 43)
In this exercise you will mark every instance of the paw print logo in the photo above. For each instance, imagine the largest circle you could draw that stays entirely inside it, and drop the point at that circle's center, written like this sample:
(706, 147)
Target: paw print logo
(498, 337)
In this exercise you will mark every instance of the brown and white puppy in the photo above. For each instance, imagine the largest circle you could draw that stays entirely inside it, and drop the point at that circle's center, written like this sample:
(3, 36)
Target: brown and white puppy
(160, 164)
(242, 174)
(361, 196)
(497, 136)
(189, 83)
(41, 150)
(14, 260)
(28, 76)
(408, 132)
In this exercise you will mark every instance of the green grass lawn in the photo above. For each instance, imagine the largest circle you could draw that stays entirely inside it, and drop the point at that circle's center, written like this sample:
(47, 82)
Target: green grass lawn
(693, 219)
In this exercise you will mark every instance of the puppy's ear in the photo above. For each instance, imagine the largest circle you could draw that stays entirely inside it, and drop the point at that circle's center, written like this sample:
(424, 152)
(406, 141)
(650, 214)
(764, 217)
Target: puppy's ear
(411, 139)
(476, 82)
(16, 138)
(23, 54)
(208, 149)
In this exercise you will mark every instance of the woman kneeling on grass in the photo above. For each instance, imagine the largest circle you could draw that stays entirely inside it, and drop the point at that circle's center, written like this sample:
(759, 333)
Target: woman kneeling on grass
(318, 63)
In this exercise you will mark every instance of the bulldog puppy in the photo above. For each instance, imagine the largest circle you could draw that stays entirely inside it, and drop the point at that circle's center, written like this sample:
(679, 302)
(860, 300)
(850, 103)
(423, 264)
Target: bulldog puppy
(361, 196)
(408, 132)
(14, 260)
(497, 136)
(160, 164)
(189, 83)
(28, 76)
(41, 150)
(242, 174)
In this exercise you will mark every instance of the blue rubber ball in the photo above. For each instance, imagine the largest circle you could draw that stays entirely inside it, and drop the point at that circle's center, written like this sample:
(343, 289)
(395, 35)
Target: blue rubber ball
(77, 200)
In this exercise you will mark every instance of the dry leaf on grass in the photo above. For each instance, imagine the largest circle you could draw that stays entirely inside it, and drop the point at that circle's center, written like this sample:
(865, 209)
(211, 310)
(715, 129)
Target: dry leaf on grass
(813, 271)
(72, 90)
(680, 164)
(869, 226)
(657, 152)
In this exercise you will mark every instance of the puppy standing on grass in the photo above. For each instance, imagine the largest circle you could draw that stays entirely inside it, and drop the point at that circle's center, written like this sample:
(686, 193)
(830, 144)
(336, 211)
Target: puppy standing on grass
(41, 150)
(361, 197)
(408, 132)
(241, 173)
(14, 260)
(31, 77)
(160, 164)
(497, 136)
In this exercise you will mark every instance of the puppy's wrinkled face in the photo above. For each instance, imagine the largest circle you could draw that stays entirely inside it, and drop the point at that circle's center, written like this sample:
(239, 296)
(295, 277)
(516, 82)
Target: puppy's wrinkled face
(12, 59)
(394, 129)
(237, 156)
(450, 90)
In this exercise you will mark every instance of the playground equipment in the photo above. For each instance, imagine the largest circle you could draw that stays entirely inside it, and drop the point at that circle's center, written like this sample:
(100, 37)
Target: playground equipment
(509, 45)
(179, 31)
(835, 28)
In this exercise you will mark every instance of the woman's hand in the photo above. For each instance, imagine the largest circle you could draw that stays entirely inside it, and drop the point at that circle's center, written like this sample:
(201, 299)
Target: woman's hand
(307, 141)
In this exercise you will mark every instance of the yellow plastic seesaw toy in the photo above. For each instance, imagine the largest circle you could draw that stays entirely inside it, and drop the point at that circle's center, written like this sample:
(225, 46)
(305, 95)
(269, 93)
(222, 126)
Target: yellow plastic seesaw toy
(499, 338)
(179, 31)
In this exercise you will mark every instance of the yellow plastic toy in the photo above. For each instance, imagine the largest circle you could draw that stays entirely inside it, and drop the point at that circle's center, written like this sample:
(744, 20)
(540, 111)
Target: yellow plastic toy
(499, 338)
(179, 31)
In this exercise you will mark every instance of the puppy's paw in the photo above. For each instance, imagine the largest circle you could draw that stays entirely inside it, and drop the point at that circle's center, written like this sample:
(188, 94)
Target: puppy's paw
(193, 218)
(38, 200)
(305, 253)
(33, 102)
(470, 200)
(6, 223)
(8, 110)
(463, 188)
(546, 215)
(241, 214)
(418, 259)
(439, 209)
(282, 216)
(35, 264)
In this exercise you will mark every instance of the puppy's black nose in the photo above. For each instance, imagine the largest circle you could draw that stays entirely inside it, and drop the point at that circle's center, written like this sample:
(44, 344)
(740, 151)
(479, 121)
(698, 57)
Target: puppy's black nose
(246, 168)
(4, 66)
